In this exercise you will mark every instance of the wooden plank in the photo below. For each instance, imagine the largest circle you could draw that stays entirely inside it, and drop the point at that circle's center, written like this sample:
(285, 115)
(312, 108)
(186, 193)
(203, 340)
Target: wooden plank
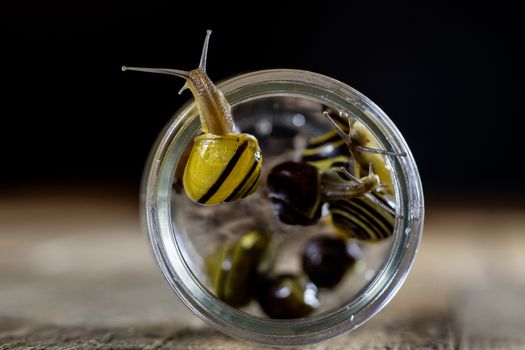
(79, 275)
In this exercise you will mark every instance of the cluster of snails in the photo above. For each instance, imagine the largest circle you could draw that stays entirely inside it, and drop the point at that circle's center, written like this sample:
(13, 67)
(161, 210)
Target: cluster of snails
(335, 165)
(341, 172)
(332, 173)
(239, 272)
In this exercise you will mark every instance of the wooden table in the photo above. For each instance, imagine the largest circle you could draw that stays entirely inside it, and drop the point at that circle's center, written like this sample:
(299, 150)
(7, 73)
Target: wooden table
(77, 273)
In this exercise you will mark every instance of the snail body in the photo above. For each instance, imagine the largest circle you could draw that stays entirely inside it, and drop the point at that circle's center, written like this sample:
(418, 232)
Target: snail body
(222, 165)
(378, 162)
(361, 145)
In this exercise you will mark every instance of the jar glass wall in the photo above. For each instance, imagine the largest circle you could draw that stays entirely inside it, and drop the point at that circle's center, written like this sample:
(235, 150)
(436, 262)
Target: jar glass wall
(283, 109)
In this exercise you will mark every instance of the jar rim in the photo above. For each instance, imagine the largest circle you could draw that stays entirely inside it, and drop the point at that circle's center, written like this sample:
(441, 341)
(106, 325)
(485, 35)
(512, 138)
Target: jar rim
(157, 222)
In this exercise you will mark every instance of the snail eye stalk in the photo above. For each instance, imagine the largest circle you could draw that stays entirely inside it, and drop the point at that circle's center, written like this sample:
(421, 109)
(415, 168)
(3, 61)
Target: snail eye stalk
(223, 166)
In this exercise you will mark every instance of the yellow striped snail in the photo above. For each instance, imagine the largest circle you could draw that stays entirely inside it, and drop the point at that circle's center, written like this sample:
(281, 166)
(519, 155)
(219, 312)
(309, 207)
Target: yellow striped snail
(223, 166)
(321, 151)
(361, 145)
(366, 216)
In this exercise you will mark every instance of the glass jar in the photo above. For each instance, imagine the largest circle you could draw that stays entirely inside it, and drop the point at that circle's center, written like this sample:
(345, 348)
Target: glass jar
(279, 103)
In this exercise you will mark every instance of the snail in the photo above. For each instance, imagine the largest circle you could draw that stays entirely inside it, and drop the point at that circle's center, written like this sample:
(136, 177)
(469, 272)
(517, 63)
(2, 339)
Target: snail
(233, 268)
(361, 146)
(342, 155)
(298, 190)
(287, 296)
(369, 217)
(223, 165)
(326, 259)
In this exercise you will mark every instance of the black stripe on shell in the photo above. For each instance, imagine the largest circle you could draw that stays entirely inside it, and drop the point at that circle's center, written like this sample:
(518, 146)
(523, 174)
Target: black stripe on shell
(254, 183)
(235, 192)
(340, 150)
(349, 225)
(355, 221)
(225, 173)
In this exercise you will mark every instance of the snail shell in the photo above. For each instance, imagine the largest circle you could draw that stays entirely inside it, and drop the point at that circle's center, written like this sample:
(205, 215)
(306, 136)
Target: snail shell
(222, 165)
(233, 267)
(295, 193)
(222, 168)
(362, 219)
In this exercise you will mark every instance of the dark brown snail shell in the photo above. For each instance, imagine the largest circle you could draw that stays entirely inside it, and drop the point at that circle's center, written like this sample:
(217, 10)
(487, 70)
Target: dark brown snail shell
(294, 192)
(287, 296)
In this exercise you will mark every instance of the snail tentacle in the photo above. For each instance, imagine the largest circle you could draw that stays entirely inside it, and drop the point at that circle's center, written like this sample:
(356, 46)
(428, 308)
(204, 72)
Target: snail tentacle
(222, 165)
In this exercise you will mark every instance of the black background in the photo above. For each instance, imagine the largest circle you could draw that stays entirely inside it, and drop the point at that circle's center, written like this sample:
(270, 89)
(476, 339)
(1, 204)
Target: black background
(449, 75)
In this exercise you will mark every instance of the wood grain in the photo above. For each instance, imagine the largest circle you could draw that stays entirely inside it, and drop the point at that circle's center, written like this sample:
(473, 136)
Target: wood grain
(76, 273)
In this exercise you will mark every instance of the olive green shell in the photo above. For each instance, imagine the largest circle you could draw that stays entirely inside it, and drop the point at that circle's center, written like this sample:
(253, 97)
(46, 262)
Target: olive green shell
(232, 268)
(222, 168)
